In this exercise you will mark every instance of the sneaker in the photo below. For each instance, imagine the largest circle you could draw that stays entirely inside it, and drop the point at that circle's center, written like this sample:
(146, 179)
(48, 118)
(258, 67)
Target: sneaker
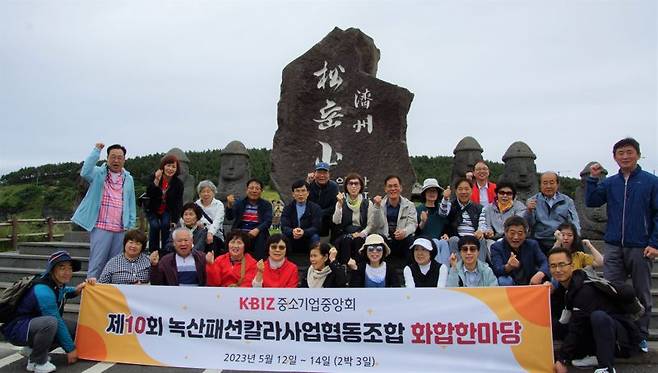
(587, 361)
(644, 346)
(605, 370)
(47, 367)
(31, 367)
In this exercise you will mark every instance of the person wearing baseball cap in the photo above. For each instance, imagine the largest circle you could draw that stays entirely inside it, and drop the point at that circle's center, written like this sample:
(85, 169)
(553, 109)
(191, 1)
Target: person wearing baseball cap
(38, 323)
(423, 271)
(323, 192)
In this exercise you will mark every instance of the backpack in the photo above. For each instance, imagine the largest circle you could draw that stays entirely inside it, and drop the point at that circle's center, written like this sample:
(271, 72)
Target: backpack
(12, 295)
(623, 295)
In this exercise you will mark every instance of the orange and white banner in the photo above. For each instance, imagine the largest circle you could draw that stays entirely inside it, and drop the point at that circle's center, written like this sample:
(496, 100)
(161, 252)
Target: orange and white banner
(319, 330)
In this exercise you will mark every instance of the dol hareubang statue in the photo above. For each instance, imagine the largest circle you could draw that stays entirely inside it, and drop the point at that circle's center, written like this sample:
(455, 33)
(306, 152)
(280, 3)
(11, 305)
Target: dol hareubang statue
(233, 171)
(520, 169)
(593, 220)
(467, 152)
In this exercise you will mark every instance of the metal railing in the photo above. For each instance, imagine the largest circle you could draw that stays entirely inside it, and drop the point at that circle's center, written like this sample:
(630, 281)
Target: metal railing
(14, 223)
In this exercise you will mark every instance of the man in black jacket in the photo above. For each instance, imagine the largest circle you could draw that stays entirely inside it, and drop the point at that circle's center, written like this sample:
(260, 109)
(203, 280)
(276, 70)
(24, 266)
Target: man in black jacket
(301, 219)
(323, 191)
(597, 322)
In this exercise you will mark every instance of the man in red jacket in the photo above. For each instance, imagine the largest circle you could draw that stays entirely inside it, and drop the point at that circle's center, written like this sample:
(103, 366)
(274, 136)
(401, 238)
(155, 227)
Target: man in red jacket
(484, 191)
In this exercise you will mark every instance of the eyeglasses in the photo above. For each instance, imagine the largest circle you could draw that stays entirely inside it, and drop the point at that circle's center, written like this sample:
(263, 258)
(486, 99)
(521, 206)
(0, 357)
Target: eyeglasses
(375, 249)
(469, 248)
(560, 265)
(278, 247)
(354, 183)
(505, 193)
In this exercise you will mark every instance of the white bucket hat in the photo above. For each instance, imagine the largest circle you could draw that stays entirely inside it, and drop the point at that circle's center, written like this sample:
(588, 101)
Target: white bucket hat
(376, 240)
(430, 183)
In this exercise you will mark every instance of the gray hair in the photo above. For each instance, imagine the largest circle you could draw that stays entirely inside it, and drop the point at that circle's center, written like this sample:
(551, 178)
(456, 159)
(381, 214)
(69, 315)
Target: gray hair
(557, 177)
(206, 184)
(181, 229)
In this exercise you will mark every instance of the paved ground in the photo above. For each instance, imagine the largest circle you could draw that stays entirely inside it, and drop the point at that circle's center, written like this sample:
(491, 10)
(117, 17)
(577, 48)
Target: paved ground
(11, 361)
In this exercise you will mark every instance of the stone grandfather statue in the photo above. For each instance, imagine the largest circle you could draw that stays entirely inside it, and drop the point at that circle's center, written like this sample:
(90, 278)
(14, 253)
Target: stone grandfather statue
(592, 219)
(234, 171)
(521, 170)
(184, 175)
(467, 152)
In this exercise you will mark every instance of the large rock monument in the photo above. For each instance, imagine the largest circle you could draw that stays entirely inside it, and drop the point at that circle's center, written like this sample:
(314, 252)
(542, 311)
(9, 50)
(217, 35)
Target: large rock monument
(184, 175)
(333, 109)
(233, 171)
(593, 220)
(467, 152)
(521, 170)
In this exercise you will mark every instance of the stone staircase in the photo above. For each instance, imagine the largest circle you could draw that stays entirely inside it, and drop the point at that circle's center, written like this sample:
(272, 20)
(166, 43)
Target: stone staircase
(31, 258)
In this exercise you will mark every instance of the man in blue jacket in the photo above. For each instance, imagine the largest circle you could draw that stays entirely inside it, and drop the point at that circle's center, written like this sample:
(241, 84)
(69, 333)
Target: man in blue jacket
(38, 323)
(516, 260)
(108, 209)
(548, 209)
(631, 234)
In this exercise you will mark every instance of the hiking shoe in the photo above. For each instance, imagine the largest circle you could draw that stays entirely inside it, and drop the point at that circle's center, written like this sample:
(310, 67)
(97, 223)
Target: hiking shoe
(605, 370)
(587, 361)
(47, 367)
(644, 346)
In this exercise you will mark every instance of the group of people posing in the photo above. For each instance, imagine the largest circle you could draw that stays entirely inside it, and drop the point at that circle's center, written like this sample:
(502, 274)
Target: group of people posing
(473, 234)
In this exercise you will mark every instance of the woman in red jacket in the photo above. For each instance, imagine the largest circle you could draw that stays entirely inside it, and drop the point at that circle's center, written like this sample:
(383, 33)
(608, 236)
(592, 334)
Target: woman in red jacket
(233, 269)
(276, 271)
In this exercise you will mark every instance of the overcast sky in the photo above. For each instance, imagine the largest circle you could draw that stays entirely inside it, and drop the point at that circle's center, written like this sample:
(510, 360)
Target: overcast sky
(567, 77)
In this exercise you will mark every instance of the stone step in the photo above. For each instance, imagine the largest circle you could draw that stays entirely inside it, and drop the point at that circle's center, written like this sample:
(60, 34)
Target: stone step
(10, 274)
(78, 249)
(16, 260)
(653, 334)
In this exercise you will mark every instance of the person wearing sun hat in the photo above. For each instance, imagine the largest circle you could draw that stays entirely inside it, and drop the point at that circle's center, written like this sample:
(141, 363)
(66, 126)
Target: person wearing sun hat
(423, 271)
(38, 322)
(431, 224)
(373, 271)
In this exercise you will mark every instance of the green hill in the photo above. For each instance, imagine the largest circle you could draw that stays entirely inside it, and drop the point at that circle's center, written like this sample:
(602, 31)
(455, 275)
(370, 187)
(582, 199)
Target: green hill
(51, 189)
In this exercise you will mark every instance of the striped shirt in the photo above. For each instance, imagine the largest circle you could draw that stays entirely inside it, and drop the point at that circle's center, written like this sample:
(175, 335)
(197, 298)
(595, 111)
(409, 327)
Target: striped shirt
(466, 226)
(121, 270)
(186, 268)
(111, 210)
(250, 217)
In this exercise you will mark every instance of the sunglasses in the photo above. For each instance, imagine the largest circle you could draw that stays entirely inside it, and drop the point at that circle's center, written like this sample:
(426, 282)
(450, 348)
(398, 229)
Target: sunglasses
(375, 249)
(469, 249)
(504, 193)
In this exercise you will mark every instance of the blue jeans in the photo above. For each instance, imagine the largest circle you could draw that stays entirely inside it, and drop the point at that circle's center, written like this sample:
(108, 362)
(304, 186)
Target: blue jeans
(158, 230)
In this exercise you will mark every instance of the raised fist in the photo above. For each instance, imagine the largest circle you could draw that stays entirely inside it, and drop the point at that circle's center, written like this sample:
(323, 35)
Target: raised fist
(595, 170)
(155, 258)
(447, 193)
(210, 257)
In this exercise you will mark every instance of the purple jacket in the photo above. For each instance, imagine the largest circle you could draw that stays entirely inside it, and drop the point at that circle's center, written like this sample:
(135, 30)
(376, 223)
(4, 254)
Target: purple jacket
(166, 272)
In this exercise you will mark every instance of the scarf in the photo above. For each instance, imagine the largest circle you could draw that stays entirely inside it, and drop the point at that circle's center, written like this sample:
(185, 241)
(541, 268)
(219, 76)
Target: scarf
(355, 206)
(315, 278)
(504, 207)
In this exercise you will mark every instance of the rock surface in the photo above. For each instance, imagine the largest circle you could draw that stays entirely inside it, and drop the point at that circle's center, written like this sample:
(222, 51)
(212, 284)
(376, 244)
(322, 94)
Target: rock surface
(333, 109)
(521, 170)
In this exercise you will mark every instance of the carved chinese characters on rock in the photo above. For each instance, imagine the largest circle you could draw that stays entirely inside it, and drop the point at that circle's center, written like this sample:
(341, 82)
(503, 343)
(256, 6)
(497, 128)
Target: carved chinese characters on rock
(333, 109)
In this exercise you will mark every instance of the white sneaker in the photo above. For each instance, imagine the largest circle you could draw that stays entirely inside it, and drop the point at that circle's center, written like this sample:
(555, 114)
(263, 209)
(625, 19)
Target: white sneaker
(40, 368)
(44, 368)
(605, 370)
(587, 361)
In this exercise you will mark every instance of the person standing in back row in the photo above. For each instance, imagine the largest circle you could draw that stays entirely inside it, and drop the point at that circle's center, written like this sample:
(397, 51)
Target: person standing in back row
(108, 209)
(631, 235)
